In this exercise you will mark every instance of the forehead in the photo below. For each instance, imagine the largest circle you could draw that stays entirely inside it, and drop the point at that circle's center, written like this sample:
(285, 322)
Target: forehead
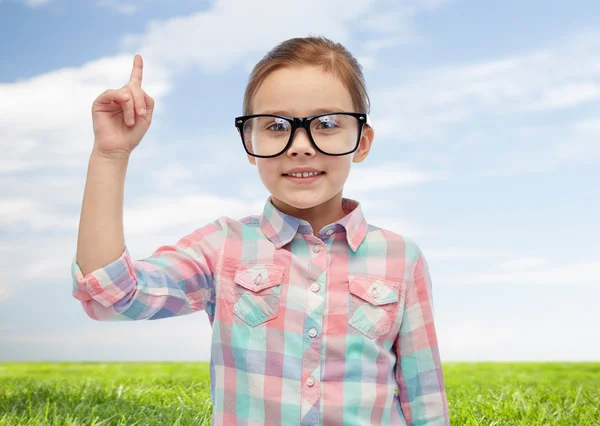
(301, 91)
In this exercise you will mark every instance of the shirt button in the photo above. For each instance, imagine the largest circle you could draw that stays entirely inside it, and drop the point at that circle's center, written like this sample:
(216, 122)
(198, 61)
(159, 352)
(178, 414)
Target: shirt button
(314, 287)
(258, 279)
(375, 293)
(329, 232)
(317, 249)
(312, 332)
(310, 381)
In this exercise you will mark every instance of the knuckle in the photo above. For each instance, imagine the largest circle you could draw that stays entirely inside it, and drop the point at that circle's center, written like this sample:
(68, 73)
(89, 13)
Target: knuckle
(104, 95)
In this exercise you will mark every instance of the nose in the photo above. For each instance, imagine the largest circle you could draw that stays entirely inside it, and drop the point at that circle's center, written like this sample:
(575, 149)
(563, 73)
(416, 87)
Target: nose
(301, 144)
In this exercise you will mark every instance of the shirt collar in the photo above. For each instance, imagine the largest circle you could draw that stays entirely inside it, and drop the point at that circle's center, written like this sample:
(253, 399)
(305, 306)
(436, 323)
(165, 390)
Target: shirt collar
(281, 228)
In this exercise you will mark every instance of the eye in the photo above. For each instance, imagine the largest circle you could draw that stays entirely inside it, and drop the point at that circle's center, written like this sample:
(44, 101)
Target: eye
(327, 122)
(279, 125)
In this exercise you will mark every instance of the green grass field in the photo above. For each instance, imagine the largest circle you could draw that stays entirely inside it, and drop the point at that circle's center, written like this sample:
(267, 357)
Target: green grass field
(179, 393)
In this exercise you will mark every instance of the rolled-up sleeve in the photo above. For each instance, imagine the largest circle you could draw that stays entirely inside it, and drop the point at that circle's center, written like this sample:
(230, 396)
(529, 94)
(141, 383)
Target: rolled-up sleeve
(419, 375)
(175, 280)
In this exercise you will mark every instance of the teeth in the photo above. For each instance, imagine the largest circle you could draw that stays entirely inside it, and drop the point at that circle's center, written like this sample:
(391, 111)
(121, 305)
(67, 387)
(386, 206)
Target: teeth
(305, 174)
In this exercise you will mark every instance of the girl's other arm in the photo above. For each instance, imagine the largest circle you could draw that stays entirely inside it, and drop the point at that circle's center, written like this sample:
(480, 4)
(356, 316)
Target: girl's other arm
(419, 373)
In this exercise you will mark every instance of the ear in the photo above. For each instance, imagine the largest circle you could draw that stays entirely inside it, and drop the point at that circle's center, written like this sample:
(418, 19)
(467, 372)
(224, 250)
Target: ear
(251, 159)
(364, 146)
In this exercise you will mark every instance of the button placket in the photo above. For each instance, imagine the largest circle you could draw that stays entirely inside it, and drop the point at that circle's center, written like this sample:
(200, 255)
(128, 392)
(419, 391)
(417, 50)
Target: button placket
(317, 263)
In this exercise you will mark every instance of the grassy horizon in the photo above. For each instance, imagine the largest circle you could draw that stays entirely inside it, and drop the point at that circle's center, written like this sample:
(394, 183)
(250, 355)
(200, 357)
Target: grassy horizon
(178, 393)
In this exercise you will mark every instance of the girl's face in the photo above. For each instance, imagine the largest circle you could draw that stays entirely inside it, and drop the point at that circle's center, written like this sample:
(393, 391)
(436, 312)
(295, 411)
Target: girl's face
(301, 92)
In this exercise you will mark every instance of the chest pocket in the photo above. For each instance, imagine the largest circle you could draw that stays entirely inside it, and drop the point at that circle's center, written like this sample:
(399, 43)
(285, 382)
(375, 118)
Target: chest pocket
(258, 291)
(372, 304)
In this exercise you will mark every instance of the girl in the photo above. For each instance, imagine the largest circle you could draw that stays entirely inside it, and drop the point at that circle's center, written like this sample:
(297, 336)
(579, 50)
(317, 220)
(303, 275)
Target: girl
(318, 317)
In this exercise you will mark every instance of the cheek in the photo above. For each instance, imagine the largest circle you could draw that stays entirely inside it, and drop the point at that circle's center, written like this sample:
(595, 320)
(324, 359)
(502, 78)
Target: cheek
(339, 167)
(267, 170)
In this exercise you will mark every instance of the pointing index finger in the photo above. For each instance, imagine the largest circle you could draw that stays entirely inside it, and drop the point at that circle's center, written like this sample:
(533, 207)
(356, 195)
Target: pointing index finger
(136, 72)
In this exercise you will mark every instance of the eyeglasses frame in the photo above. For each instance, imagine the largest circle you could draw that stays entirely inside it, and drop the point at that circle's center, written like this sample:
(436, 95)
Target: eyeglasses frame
(300, 122)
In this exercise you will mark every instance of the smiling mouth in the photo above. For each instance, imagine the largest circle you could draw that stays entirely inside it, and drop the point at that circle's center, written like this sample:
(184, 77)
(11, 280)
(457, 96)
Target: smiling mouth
(304, 175)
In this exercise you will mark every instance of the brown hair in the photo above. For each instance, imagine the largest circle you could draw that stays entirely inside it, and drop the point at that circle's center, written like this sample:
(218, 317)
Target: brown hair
(317, 51)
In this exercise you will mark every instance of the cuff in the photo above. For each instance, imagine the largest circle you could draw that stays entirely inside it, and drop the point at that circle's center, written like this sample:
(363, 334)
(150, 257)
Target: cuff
(106, 285)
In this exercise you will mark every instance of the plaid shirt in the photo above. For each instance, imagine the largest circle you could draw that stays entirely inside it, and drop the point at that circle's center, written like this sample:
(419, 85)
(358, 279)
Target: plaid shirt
(327, 329)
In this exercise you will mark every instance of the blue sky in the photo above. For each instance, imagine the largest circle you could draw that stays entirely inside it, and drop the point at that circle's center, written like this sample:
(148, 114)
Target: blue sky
(486, 153)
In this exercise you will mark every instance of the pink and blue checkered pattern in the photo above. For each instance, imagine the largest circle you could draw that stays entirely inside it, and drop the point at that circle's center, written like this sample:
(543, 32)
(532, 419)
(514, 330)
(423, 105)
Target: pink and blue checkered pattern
(335, 328)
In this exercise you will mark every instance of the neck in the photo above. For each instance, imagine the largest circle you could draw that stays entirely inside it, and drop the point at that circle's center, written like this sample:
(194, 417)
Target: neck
(317, 216)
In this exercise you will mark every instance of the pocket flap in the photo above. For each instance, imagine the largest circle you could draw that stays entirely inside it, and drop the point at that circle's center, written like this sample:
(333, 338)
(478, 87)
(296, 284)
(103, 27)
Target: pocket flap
(259, 276)
(374, 290)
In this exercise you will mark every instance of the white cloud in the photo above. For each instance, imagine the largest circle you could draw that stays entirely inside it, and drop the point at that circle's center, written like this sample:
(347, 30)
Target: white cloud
(40, 131)
(537, 149)
(393, 26)
(162, 213)
(149, 222)
(571, 94)
(36, 261)
(373, 46)
(390, 24)
(386, 176)
(122, 7)
(429, 102)
(488, 116)
(189, 40)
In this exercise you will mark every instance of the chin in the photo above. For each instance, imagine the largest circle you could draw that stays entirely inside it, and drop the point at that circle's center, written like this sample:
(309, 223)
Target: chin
(299, 202)
(303, 200)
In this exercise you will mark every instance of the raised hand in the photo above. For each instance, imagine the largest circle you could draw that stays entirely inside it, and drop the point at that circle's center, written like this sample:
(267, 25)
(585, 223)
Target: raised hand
(121, 117)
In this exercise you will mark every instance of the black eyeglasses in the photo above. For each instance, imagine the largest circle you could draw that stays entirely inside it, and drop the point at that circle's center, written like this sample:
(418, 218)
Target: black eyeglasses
(269, 135)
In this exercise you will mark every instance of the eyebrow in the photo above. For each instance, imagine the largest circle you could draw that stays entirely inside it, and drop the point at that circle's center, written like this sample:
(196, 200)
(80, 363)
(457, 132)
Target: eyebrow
(314, 112)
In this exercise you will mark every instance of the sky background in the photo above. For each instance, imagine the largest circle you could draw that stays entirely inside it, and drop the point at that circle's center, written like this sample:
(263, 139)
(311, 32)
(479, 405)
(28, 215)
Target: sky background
(486, 154)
